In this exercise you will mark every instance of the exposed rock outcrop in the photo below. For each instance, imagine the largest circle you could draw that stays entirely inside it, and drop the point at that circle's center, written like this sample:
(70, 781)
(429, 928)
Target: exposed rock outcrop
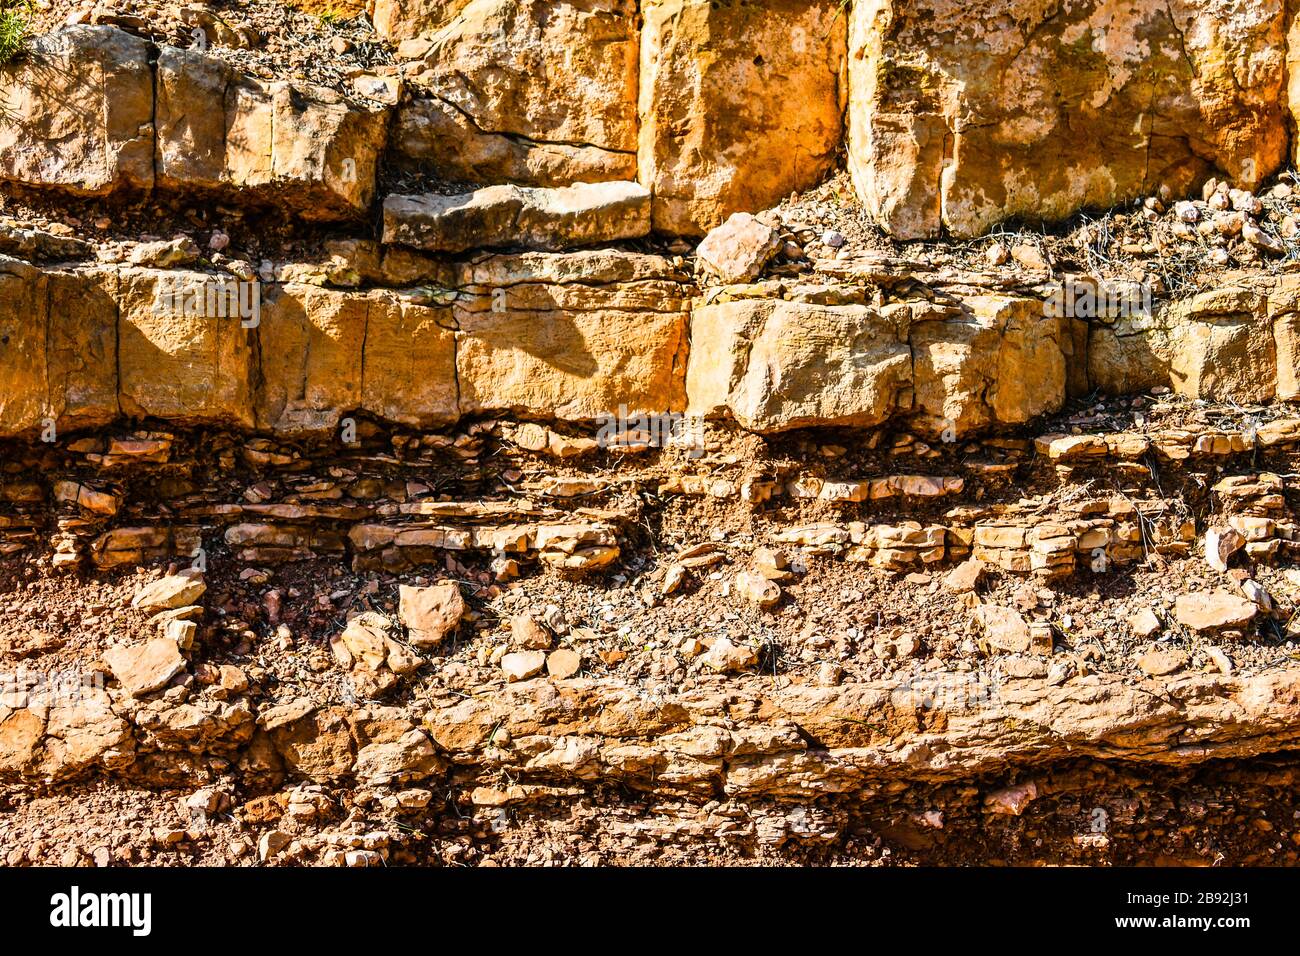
(388, 475)
(534, 93)
(963, 117)
(758, 118)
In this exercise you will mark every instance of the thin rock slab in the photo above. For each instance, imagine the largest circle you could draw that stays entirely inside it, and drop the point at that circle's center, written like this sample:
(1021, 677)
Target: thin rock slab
(517, 216)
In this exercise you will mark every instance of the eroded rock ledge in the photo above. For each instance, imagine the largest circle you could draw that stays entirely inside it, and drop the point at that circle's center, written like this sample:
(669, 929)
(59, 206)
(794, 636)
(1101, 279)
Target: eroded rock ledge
(953, 120)
(292, 679)
(579, 336)
(740, 738)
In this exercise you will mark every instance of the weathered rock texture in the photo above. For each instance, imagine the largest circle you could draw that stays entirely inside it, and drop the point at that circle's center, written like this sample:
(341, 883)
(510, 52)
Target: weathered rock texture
(569, 340)
(545, 219)
(87, 113)
(578, 336)
(76, 113)
(536, 93)
(218, 130)
(1219, 344)
(401, 461)
(957, 119)
(741, 104)
(800, 742)
(963, 116)
(776, 365)
(570, 336)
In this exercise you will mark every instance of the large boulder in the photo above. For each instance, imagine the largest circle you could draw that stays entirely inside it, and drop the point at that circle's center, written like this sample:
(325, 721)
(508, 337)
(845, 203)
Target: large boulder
(1221, 346)
(76, 113)
(1284, 312)
(22, 347)
(306, 148)
(741, 104)
(1001, 360)
(310, 342)
(409, 370)
(58, 348)
(1130, 354)
(1231, 343)
(965, 115)
(777, 364)
(532, 92)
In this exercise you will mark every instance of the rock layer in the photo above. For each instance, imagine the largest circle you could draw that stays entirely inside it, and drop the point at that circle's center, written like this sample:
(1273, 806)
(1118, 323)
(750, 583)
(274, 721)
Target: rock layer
(90, 91)
(962, 117)
(578, 336)
(88, 113)
(956, 120)
(758, 117)
(534, 93)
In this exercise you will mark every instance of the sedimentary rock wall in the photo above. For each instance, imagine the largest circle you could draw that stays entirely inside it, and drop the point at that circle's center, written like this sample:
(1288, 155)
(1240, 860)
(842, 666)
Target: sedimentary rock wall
(333, 407)
(961, 117)
(577, 336)
(953, 119)
(598, 123)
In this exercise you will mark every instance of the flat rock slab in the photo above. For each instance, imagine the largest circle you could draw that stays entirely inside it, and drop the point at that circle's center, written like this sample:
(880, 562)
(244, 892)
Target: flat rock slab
(175, 590)
(145, 668)
(517, 216)
(1214, 610)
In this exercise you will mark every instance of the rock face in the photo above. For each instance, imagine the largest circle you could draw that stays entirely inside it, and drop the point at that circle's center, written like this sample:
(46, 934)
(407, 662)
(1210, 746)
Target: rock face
(1001, 360)
(535, 336)
(1221, 347)
(535, 92)
(90, 90)
(178, 366)
(471, 433)
(497, 216)
(1217, 345)
(408, 371)
(311, 368)
(570, 336)
(58, 348)
(961, 117)
(190, 124)
(777, 365)
(1284, 311)
(305, 147)
(577, 336)
(957, 119)
(758, 117)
